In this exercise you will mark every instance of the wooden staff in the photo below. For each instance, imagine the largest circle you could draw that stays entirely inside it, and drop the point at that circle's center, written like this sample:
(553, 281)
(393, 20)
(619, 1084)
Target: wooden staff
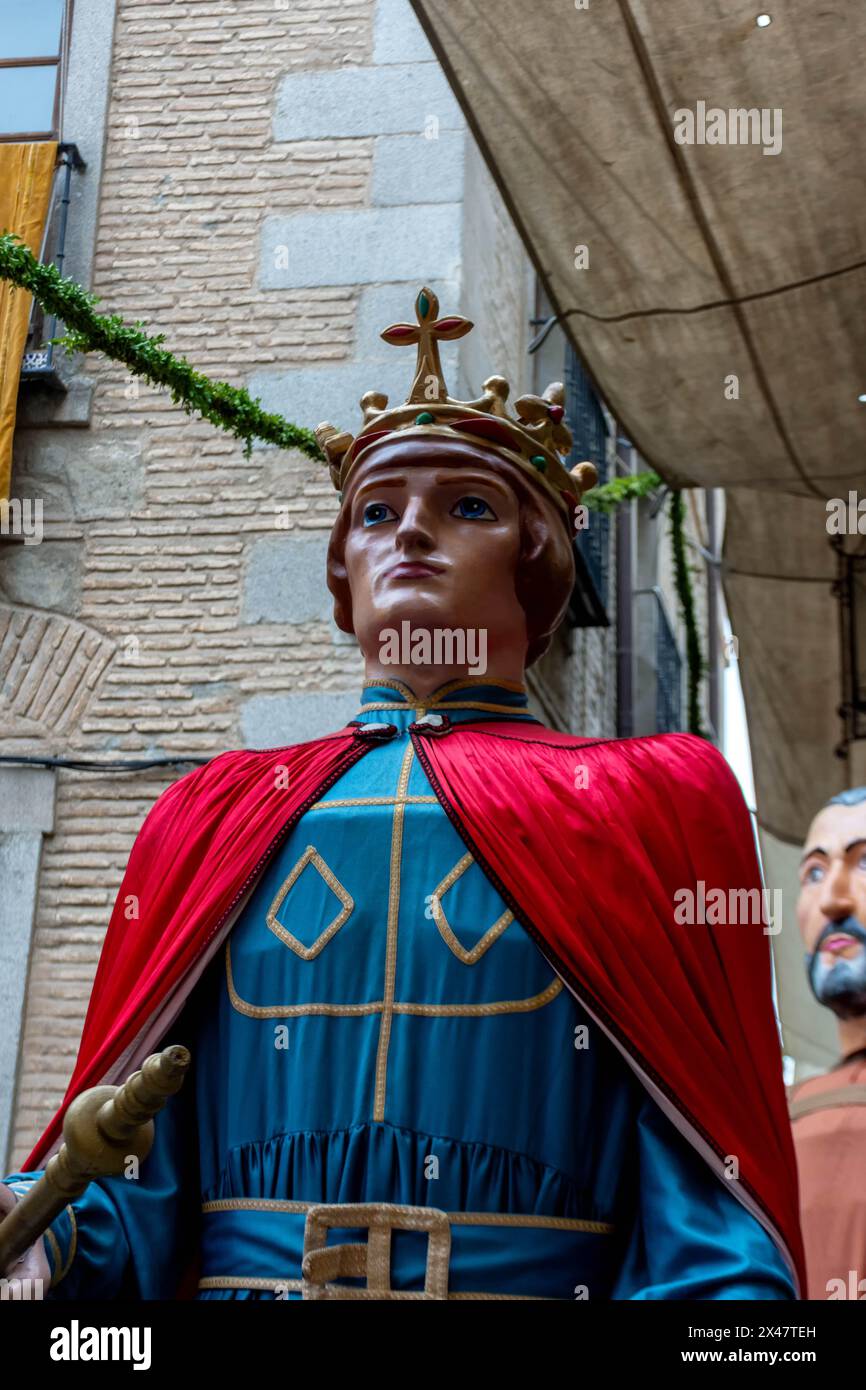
(103, 1128)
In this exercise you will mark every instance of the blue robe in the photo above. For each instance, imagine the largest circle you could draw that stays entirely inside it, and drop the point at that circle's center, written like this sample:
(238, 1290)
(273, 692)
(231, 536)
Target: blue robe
(378, 1028)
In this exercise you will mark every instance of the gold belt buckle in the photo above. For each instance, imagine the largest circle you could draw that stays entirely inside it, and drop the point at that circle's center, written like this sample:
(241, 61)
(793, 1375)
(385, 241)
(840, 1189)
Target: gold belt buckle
(322, 1263)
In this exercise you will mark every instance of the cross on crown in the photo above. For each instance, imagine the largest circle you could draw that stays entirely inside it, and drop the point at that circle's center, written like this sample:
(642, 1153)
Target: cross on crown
(534, 440)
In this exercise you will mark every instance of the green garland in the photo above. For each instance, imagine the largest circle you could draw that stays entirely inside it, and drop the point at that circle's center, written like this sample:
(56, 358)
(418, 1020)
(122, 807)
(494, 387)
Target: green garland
(685, 593)
(232, 409)
(608, 496)
(229, 407)
(606, 499)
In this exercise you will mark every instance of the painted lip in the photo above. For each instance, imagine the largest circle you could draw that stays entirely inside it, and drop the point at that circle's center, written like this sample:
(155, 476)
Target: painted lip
(838, 941)
(413, 569)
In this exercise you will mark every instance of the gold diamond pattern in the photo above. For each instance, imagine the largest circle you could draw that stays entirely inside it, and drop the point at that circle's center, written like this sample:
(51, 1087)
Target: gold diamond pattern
(446, 931)
(310, 856)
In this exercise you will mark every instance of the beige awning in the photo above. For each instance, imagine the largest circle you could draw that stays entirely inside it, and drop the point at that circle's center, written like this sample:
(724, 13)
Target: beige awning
(706, 262)
(779, 569)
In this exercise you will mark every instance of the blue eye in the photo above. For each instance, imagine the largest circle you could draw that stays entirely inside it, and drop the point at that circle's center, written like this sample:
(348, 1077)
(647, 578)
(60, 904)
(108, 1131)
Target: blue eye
(473, 509)
(376, 512)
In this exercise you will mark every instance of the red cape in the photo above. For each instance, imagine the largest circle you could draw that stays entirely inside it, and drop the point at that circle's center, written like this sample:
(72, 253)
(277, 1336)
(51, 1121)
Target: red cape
(588, 842)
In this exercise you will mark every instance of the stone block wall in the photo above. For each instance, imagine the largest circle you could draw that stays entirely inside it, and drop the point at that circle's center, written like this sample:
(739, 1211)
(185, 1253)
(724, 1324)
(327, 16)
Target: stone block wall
(277, 180)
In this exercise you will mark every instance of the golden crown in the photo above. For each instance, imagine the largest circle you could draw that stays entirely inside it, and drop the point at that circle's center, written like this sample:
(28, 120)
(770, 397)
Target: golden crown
(535, 439)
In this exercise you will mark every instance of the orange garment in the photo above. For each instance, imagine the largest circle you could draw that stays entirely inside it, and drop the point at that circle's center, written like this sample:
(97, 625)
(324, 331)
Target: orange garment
(830, 1143)
(26, 176)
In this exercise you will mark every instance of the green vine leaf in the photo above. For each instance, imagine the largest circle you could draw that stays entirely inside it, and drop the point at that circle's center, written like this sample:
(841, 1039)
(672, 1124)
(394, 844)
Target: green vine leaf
(232, 409)
(686, 596)
(608, 496)
(228, 407)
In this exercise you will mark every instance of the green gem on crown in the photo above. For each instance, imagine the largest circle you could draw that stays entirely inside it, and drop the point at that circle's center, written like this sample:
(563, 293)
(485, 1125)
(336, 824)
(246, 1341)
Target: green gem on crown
(423, 305)
(425, 418)
(540, 462)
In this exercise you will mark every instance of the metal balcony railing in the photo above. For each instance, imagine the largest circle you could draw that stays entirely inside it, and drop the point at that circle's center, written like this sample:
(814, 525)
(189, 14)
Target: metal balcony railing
(668, 667)
(38, 364)
(849, 589)
(585, 419)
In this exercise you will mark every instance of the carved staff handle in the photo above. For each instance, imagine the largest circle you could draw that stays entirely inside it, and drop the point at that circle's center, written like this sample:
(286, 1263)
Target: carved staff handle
(103, 1128)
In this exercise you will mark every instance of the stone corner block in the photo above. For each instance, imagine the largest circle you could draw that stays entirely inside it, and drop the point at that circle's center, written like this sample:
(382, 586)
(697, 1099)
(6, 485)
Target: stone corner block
(397, 35)
(285, 580)
(418, 169)
(350, 103)
(27, 799)
(374, 245)
(275, 721)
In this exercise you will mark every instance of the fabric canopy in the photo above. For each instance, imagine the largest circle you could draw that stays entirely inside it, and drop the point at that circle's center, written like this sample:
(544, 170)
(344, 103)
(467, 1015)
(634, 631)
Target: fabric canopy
(719, 301)
(779, 569)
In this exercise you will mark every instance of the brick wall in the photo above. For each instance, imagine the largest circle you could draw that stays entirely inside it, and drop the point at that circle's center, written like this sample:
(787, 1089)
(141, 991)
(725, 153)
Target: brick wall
(150, 516)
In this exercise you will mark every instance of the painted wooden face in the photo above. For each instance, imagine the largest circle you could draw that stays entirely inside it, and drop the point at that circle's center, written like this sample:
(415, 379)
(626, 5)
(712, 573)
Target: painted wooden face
(435, 544)
(831, 908)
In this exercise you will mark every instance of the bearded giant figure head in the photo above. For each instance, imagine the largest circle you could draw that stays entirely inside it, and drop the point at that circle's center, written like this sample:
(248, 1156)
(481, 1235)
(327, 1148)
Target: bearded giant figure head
(831, 907)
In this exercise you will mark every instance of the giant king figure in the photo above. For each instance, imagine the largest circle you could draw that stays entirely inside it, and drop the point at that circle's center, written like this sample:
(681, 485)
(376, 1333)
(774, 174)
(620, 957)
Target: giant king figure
(448, 1040)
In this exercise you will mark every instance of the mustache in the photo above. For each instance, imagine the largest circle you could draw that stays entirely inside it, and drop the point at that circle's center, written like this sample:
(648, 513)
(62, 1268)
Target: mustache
(851, 926)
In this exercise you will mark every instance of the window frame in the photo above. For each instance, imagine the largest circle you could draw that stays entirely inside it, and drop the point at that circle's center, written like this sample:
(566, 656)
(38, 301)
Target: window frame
(61, 63)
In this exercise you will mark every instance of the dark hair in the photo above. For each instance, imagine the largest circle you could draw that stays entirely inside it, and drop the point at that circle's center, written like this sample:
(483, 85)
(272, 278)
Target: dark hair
(545, 567)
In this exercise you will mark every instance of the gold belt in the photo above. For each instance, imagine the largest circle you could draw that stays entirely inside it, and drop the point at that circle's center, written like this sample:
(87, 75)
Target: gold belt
(322, 1264)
